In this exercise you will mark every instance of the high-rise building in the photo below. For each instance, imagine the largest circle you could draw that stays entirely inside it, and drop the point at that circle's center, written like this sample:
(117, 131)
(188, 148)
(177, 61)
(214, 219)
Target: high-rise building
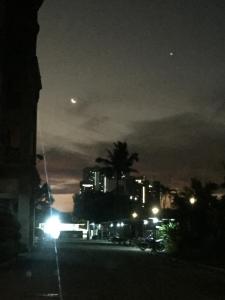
(139, 190)
(95, 179)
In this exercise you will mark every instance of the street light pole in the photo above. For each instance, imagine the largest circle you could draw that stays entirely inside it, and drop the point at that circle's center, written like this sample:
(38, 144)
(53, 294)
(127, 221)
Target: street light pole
(134, 216)
(155, 211)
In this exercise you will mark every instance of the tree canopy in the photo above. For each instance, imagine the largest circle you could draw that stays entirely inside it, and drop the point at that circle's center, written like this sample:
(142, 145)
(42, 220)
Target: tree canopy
(119, 161)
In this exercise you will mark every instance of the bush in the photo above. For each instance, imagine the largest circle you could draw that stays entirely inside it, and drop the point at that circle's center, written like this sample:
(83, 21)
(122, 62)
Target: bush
(171, 235)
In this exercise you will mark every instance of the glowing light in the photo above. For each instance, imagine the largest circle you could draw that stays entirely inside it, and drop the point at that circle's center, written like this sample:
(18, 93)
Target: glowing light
(118, 225)
(192, 200)
(143, 194)
(73, 100)
(105, 184)
(138, 180)
(87, 185)
(121, 224)
(145, 222)
(111, 225)
(155, 220)
(171, 53)
(134, 215)
(52, 227)
(155, 210)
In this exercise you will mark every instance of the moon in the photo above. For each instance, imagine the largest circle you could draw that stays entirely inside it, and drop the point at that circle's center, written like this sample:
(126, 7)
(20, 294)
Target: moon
(73, 101)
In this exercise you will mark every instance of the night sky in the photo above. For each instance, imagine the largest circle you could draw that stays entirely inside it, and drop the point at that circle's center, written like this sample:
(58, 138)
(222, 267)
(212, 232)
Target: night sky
(148, 72)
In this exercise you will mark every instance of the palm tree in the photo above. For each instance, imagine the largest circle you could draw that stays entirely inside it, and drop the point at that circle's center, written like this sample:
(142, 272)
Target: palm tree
(118, 162)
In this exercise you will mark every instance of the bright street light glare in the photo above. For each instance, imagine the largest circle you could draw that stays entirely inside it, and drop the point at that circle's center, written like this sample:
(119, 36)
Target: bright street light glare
(52, 227)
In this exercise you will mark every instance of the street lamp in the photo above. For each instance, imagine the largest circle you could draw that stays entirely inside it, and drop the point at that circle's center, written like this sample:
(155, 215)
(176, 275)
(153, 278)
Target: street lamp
(134, 224)
(145, 222)
(155, 210)
(192, 200)
(52, 227)
(134, 215)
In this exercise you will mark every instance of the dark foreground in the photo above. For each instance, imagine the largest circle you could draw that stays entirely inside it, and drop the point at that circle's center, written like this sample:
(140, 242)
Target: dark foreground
(102, 271)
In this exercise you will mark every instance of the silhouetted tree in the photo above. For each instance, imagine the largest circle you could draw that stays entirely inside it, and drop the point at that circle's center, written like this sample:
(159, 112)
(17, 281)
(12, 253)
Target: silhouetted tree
(118, 162)
(44, 200)
(196, 220)
(158, 190)
(98, 207)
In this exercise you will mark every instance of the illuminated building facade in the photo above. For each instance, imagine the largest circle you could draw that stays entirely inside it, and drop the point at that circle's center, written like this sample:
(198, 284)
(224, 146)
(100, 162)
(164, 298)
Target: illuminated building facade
(94, 179)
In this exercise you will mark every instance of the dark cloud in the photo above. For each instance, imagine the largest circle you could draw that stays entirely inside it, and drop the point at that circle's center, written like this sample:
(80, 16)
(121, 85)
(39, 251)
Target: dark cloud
(179, 147)
(63, 170)
(94, 123)
(172, 150)
(114, 58)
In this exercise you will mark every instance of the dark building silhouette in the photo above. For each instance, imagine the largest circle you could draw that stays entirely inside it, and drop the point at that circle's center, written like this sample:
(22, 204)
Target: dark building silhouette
(20, 84)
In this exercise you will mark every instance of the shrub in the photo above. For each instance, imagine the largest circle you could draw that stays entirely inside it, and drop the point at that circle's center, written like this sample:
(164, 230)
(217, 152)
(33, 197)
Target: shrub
(171, 235)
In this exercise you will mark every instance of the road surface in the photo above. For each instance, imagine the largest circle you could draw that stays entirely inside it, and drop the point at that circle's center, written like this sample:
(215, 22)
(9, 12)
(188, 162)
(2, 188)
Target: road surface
(94, 270)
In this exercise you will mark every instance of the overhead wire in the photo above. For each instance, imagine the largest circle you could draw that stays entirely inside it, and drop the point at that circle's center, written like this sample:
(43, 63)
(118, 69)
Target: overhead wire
(60, 291)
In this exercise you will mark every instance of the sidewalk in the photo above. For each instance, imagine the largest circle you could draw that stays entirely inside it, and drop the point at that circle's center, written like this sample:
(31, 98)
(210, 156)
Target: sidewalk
(33, 276)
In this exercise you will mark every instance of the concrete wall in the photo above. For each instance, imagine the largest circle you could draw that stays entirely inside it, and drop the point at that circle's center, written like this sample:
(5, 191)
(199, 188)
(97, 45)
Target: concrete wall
(20, 84)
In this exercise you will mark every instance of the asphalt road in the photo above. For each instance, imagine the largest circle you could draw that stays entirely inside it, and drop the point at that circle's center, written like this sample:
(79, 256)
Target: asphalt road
(103, 271)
